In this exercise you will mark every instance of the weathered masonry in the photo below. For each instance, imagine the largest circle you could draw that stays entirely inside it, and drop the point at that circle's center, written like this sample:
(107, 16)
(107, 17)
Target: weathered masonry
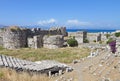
(16, 37)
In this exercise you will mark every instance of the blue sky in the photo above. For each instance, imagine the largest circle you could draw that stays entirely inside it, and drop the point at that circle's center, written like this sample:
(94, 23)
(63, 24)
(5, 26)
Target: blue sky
(71, 13)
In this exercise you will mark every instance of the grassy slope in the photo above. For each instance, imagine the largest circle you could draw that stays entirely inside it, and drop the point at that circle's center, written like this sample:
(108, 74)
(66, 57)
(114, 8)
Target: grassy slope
(65, 55)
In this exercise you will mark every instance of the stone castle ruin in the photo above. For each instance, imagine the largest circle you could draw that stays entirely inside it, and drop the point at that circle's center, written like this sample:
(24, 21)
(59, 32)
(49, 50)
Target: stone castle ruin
(52, 42)
(80, 36)
(15, 37)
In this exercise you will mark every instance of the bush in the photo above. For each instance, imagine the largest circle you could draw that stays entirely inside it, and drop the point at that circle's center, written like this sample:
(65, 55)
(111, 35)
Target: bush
(109, 40)
(113, 46)
(85, 41)
(100, 42)
(15, 28)
(72, 42)
(117, 34)
(94, 40)
(107, 35)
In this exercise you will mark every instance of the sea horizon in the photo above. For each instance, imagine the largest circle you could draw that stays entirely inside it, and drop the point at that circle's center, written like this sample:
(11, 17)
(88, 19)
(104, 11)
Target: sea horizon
(92, 30)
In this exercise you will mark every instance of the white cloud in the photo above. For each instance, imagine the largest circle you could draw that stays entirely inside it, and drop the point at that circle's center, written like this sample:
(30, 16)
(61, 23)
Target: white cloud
(46, 22)
(76, 22)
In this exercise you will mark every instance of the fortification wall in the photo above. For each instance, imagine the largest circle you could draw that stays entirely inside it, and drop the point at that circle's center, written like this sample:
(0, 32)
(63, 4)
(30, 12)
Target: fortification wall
(58, 31)
(14, 38)
(1, 37)
(35, 42)
(51, 31)
(55, 41)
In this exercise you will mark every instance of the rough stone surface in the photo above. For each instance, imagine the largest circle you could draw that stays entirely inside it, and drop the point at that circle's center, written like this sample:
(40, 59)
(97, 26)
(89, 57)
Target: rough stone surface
(35, 42)
(98, 37)
(15, 37)
(58, 31)
(79, 36)
(1, 37)
(52, 42)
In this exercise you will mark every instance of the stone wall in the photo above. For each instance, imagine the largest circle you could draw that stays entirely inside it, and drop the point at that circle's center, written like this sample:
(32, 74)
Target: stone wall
(80, 36)
(35, 42)
(1, 37)
(1, 41)
(98, 37)
(51, 31)
(55, 41)
(58, 31)
(94, 37)
(14, 38)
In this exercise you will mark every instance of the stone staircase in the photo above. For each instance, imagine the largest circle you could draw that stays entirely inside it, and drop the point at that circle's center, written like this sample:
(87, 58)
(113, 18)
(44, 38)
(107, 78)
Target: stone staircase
(45, 66)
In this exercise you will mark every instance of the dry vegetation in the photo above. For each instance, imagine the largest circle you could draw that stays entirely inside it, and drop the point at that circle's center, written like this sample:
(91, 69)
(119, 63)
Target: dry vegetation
(14, 28)
(65, 55)
(11, 75)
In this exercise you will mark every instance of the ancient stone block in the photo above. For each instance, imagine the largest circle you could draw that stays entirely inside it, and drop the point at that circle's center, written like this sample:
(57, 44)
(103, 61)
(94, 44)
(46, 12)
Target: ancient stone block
(54, 41)
(35, 42)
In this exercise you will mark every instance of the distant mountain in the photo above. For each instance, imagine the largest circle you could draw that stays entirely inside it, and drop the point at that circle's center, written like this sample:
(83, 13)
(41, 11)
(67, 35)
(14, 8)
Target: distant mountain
(1, 26)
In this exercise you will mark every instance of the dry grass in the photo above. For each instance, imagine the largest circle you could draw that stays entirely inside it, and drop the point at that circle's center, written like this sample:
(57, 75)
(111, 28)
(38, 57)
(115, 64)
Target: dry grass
(65, 55)
(11, 75)
(14, 28)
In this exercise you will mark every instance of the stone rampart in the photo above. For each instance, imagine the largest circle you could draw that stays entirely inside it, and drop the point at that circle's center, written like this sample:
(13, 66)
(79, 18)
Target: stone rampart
(14, 38)
(55, 41)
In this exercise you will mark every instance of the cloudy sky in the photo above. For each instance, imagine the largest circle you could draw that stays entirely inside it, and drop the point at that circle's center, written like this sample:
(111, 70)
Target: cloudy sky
(102, 14)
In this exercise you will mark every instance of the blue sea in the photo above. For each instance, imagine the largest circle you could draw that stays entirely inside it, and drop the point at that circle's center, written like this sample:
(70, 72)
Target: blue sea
(91, 30)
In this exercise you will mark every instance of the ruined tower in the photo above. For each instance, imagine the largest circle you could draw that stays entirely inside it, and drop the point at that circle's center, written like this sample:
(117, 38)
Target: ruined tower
(14, 37)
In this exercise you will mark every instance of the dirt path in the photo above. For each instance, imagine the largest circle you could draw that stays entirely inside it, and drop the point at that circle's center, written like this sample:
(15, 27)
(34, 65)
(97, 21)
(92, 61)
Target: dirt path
(87, 64)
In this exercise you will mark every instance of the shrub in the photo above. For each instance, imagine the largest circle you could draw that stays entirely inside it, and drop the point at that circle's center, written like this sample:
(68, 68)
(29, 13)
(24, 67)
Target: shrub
(100, 42)
(85, 41)
(15, 28)
(112, 45)
(107, 35)
(109, 40)
(72, 42)
(117, 34)
(94, 40)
